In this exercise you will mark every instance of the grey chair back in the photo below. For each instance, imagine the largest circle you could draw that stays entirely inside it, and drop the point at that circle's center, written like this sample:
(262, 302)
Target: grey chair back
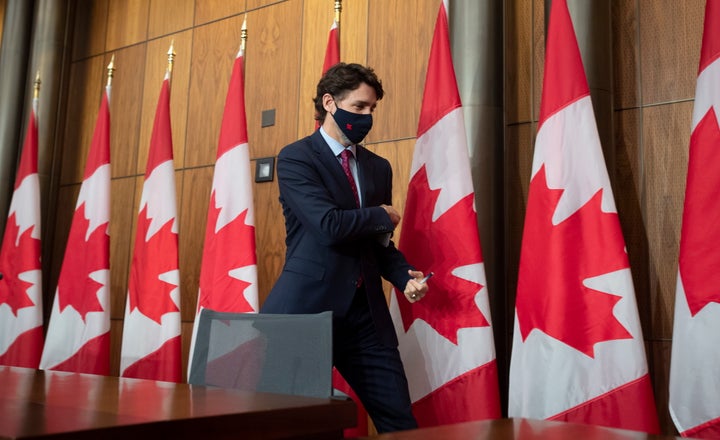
(286, 354)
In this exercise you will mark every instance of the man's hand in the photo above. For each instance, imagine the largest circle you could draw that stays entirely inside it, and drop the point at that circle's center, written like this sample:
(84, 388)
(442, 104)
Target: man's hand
(392, 212)
(414, 289)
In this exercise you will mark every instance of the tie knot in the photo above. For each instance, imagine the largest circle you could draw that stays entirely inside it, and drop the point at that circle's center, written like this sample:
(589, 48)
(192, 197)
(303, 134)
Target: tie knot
(346, 154)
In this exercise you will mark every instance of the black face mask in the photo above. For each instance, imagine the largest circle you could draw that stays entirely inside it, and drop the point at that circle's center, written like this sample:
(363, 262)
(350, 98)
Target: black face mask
(355, 126)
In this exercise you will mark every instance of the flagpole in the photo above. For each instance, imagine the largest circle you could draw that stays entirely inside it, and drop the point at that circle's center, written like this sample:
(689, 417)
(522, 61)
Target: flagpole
(36, 92)
(243, 35)
(171, 59)
(110, 71)
(338, 12)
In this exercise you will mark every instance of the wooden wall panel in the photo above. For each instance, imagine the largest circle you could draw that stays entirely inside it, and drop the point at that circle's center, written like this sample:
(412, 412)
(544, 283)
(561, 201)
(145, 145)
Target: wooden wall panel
(399, 54)
(116, 330)
(126, 109)
(519, 141)
(210, 10)
(538, 12)
(215, 48)
(400, 154)
(271, 79)
(155, 67)
(318, 16)
(86, 78)
(122, 214)
(127, 23)
(169, 16)
(67, 199)
(269, 235)
(625, 54)
(659, 360)
(90, 26)
(255, 4)
(666, 133)
(670, 38)
(629, 191)
(3, 5)
(192, 215)
(354, 32)
(518, 62)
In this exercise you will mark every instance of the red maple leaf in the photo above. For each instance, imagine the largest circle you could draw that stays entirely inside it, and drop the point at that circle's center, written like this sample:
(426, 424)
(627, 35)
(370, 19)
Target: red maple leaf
(232, 247)
(75, 287)
(699, 253)
(14, 260)
(451, 241)
(554, 262)
(148, 293)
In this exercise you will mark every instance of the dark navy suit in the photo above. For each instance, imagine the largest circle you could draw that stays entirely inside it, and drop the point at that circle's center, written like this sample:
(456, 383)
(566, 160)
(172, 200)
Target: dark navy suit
(331, 245)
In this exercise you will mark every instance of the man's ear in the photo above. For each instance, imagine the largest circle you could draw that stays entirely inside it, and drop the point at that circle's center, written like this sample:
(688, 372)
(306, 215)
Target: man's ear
(328, 102)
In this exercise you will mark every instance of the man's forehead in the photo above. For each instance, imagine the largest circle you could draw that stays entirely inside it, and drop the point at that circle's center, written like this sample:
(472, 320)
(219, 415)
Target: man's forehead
(363, 94)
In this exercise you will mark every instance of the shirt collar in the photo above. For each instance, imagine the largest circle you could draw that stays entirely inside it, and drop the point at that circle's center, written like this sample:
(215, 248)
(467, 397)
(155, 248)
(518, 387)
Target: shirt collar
(336, 146)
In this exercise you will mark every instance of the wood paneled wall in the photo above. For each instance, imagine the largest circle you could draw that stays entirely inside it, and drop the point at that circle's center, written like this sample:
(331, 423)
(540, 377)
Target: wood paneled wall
(2, 16)
(656, 49)
(283, 60)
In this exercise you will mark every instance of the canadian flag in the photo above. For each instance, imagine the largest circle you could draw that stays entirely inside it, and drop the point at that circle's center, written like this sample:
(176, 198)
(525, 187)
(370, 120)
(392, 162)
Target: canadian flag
(228, 276)
(21, 317)
(151, 332)
(78, 337)
(446, 340)
(332, 52)
(694, 367)
(578, 351)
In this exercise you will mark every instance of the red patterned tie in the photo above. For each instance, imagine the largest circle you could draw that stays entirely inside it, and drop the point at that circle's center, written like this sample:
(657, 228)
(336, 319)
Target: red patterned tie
(345, 155)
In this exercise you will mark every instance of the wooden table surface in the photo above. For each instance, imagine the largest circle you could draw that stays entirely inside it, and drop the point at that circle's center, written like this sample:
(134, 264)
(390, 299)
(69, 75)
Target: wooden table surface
(518, 429)
(38, 404)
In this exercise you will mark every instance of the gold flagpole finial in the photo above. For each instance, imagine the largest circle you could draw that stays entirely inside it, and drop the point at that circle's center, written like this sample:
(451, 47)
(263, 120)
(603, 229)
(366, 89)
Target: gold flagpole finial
(338, 10)
(110, 70)
(171, 56)
(243, 34)
(36, 86)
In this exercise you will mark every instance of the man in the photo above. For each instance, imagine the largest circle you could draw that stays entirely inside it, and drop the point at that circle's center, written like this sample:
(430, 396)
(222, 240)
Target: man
(336, 198)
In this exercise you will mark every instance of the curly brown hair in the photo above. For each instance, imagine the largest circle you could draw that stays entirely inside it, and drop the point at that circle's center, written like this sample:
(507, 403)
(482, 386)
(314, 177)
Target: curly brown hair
(341, 79)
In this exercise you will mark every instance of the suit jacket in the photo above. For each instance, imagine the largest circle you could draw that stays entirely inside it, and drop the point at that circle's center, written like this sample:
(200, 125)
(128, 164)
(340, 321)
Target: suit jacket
(330, 242)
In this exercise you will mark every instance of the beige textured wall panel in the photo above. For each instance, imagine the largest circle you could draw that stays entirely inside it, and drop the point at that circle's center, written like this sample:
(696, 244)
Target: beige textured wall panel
(625, 49)
(670, 39)
(666, 133)
(629, 191)
(659, 358)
